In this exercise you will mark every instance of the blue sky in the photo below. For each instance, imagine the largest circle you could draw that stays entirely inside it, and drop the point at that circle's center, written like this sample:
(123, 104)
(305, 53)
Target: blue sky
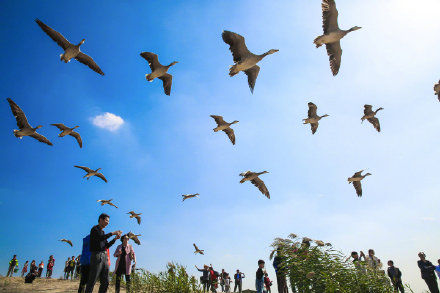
(165, 146)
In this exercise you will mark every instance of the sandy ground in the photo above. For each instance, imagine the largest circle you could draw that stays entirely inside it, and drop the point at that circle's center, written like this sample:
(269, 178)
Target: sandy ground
(17, 284)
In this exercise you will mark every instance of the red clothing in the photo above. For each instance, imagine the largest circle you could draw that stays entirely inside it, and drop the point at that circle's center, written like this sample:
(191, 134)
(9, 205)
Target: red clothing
(267, 282)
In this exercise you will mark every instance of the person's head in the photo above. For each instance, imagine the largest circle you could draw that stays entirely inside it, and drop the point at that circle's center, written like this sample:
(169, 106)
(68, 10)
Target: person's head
(354, 254)
(205, 267)
(223, 270)
(390, 263)
(15, 256)
(238, 271)
(103, 220)
(371, 252)
(438, 261)
(422, 255)
(73, 257)
(68, 258)
(124, 239)
(27, 261)
(261, 263)
(265, 274)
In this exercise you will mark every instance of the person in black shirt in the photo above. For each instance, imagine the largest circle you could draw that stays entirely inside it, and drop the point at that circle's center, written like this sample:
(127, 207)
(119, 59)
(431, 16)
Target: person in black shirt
(98, 260)
(396, 277)
(259, 277)
(427, 270)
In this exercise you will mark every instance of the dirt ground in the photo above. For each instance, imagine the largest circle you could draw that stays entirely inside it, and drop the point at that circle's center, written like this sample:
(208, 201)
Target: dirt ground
(17, 284)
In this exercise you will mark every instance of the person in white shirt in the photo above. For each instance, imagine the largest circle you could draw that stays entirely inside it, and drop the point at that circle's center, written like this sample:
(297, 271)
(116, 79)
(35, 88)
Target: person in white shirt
(227, 282)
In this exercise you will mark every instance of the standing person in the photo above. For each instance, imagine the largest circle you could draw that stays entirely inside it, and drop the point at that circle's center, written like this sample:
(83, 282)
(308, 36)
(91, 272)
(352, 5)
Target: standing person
(396, 277)
(72, 265)
(12, 264)
(259, 277)
(280, 272)
(85, 264)
(204, 278)
(427, 269)
(238, 278)
(213, 280)
(125, 254)
(267, 282)
(66, 268)
(371, 259)
(40, 269)
(78, 266)
(50, 265)
(437, 268)
(24, 270)
(227, 283)
(99, 266)
(222, 279)
(32, 273)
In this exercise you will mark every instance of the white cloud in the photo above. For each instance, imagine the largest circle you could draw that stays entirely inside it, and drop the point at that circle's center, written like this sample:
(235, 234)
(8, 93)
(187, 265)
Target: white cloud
(108, 121)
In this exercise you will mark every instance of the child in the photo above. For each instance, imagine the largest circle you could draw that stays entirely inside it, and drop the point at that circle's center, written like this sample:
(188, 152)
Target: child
(227, 283)
(259, 280)
(267, 283)
(24, 270)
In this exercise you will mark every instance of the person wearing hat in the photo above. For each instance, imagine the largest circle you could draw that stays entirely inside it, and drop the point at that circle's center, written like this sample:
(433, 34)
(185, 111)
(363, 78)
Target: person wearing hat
(125, 254)
(427, 269)
(205, 277)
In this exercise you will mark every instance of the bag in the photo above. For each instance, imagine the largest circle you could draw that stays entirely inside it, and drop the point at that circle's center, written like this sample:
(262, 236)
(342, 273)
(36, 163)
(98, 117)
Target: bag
(16, 269)
(29, 278)
(216, 274)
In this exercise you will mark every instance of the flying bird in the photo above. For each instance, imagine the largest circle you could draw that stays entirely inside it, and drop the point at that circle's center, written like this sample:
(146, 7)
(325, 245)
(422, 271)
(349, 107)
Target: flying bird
(67, 241)
(25, 129)
(253, 178)
(134, 215)
(187, 196)
(68, 131)
(91, 173)
(332, 34)
(437, 90)
(370, 115)
(244, 60)
(197, 250)
(159, 71)
(106, 201)
(224, 126)
(134, 238)
(313, 118)
(356, 180)
(70, 50)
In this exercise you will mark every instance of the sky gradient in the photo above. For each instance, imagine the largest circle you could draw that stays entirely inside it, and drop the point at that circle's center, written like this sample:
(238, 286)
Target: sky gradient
(165, 146)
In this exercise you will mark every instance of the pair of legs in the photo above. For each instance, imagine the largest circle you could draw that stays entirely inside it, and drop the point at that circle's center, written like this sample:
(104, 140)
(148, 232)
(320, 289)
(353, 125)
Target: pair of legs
(85, 269)
(237, 285)
(118, 283)
(282, 283)
(259, 285)
(432, 285)
(98, 269)
(10, 271)
(48, 273)
(23, 272)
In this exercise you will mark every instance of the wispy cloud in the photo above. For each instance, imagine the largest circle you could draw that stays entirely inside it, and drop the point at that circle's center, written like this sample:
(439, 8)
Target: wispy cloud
(108, 121)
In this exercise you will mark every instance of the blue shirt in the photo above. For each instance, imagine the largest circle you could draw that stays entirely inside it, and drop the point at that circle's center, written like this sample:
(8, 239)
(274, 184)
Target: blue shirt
(85, 255)
(437, 270)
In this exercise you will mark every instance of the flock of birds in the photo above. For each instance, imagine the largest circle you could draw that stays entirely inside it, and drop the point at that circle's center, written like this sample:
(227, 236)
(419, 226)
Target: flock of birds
(244, 61)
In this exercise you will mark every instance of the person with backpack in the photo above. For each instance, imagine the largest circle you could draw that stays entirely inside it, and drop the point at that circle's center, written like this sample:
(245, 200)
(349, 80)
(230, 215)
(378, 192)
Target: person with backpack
(259, 277)
(24, 270)
(40, 269)
(71, 268)
(12, 264)
(427, 269)
(213, 279)
(396, 277)
(238, 278)
(267, 282)
(204, 278)
(33, 271)
(85, 264)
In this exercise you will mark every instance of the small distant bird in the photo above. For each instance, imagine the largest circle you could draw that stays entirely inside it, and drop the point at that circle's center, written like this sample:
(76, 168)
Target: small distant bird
(159, 71)
(356, 180)
(134, 237)
(319, 243)
(70, 50)
(224, 126)
(253, 178)
(106, 201)
(244, 60)
(25, 129)
(332, 34)
(370, 115)
(437, 90)
(186, 196)
(307, 239)
(91, 173)
(313, 118)
(134, 215)
(200, 251)
(68, 131)
(67, 241)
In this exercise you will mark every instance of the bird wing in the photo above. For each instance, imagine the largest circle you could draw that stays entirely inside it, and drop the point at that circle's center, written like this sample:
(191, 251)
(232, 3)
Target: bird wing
(334, 53)
(314, 127)
(218, 119)
(19, 115)
(78, 138)
(236, 44)
(60, 126)
(101, 176)
(244, 174)
(195, 246)
(357, 185)
(135, 239)
(329, 16)
(231, 135)
(152, 59)
(138, 218)
(88, 170)
(375, 123)
(358, 174)
(167, 80)
(87, 60)
(54, 35)
(41, 138)
(312, 110)
(261, 186)
(252, 74)
(112, 204)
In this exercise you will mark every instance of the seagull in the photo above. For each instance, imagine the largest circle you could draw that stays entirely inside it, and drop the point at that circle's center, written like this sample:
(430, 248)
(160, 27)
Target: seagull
(106, 201)
(68, 131)
(70, 50)
(186, 196)
(159, 71)
(332, 34)
(370, 115)
(356, 180)
(313, 118)
(67, 241)
(437, 90)
(134, 215)
(25, 129)
(224, 126)
(244, 60)
(201, 251)
(134, 237)
(253, 178)
(91, 173)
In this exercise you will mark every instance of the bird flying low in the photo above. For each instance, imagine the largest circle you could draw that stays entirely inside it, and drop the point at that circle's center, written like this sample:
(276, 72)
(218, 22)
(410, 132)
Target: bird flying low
(224, 126)
(134, 215)
(437, 90)
(244, 60)
(370, 115)
(106, 201)
(67, 241)
(356, 180)
(159, 71)
(253, 178)
(70, 50)
(68, 131)
(187, 196)
(197, 250)
(25, 129)
(313, 118)
(91, 173)
(134, 237)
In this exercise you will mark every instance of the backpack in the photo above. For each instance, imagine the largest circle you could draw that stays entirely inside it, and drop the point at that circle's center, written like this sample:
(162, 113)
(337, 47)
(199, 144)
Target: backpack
(216, 274)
